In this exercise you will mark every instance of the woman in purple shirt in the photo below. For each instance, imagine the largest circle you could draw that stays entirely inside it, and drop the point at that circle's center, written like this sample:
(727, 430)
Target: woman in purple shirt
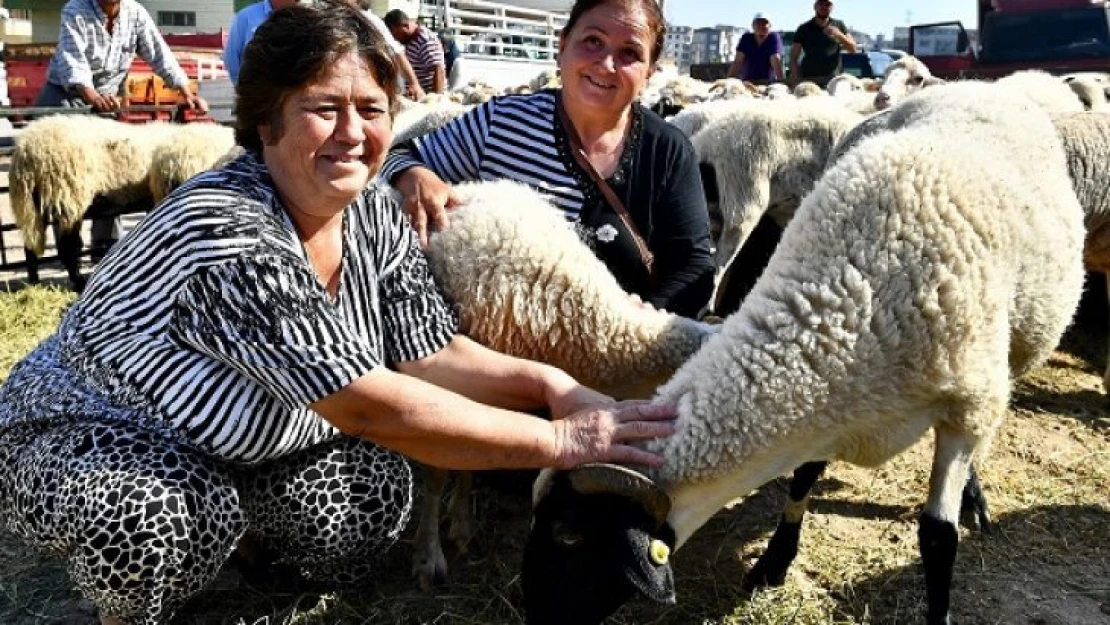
(759, 55)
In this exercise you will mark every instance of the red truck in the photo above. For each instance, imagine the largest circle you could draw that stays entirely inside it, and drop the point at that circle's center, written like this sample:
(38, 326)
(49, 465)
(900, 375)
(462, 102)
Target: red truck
(1057, 36)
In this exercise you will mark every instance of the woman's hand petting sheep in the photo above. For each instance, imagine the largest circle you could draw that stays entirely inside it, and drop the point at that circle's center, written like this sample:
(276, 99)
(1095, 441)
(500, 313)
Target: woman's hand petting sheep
(565, 396)
(427, 199)
(605, 434)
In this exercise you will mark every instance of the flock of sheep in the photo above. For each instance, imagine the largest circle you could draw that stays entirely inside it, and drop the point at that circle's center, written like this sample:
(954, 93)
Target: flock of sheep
(925, 261)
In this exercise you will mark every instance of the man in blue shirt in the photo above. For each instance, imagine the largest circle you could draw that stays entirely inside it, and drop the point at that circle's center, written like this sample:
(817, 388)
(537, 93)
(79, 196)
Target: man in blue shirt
(242, 29)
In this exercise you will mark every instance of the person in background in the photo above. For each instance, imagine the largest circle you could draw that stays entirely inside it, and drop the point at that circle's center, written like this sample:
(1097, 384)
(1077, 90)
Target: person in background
(450, 56)
(97, 41)
(607, 51)
(422, 48)
(411, 84)
(820, 39)
(244, 24)
(248, 370)
(759, 53)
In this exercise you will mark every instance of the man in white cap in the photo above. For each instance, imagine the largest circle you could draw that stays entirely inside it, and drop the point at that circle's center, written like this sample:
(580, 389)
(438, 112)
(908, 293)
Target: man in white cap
(759, 54)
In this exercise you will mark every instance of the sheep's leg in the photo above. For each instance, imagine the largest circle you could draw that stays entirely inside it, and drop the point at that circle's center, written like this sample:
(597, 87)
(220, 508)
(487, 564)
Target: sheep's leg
(937, 533)
(458, 510)
(428, 563)
(973, 506)
(770, 569)
(69, 246)
(32, 260)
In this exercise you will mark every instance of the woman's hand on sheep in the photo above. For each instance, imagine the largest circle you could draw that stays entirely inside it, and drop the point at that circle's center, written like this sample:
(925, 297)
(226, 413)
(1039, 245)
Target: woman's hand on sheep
(605, 434)
(427, 199)
(565, 396)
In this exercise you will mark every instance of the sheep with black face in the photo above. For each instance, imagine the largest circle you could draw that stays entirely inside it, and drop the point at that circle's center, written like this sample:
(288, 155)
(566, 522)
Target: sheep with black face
(930, 266)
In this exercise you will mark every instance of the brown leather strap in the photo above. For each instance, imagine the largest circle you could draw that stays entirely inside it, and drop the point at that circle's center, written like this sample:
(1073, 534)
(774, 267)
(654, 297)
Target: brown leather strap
(579, 153)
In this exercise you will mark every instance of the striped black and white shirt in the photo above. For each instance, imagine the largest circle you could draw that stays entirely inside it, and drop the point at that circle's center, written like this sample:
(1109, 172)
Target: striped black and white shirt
(87, 54)
(425, 54)
(516, 137)
(208, 324)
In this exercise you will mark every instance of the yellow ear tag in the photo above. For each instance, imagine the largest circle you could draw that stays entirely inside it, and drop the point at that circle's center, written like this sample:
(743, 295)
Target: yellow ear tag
(659, 552)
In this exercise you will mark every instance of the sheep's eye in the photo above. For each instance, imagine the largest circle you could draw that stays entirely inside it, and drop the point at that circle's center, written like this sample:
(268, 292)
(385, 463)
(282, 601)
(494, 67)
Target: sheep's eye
(917, 80)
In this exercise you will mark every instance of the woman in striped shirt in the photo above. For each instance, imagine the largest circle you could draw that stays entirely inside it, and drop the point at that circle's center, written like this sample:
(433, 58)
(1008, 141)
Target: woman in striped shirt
(253, 359)
(607, 52)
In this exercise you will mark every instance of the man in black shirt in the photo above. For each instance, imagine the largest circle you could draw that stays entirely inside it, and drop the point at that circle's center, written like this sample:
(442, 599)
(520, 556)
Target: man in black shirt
(820, 39)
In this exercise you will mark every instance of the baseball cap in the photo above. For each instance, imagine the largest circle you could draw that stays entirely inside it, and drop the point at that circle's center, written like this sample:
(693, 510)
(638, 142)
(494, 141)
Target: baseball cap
(761, 15)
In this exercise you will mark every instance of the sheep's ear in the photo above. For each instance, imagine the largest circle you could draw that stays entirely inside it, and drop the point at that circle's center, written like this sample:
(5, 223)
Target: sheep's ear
(647, 566)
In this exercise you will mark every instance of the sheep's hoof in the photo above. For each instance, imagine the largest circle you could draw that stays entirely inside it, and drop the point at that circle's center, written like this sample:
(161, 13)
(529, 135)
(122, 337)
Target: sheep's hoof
(974, 511)
(760, 577)
(430, 570)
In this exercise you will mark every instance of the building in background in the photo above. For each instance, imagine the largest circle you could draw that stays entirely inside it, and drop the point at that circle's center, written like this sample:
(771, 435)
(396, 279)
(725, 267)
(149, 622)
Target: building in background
(715, 44)
(677, 45)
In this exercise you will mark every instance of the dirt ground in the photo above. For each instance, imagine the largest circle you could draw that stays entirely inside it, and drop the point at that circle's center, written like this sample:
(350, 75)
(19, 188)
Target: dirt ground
(1046, 562)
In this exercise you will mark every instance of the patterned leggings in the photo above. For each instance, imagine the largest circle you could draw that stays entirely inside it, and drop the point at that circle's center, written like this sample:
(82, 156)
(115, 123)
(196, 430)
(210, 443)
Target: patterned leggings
(144, 524)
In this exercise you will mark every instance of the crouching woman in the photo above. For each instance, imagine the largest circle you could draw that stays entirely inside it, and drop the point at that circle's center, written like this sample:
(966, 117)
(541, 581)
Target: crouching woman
(256, 359)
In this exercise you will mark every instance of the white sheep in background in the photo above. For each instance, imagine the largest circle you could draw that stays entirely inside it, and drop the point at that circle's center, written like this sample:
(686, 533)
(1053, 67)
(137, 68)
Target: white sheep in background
(194, 148)
(806, 89)
(1092, 89)
(1048, 91)
(844, 83)
(693, 118)
(62, 163)
(764, 160)
(1086, 139)
(930, 266)
(547, 79)
(729, 89)
(526, 285)
(778, 91)
(901, 78)
(419, 120)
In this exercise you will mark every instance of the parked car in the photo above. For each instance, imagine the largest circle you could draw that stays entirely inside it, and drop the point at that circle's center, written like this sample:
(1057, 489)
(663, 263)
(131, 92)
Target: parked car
(868, 63)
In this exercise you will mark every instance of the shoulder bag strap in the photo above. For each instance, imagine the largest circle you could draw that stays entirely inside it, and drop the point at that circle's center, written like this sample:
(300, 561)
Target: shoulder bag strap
(579, 153)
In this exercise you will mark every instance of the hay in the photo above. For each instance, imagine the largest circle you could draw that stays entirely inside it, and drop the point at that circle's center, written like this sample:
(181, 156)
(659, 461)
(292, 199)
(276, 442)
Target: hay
(1047, 562)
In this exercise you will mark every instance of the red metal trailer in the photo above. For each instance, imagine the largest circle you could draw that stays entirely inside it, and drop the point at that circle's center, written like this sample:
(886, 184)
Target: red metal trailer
(1057, 36)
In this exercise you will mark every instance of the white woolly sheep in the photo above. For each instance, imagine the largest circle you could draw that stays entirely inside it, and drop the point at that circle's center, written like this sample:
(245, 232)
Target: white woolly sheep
(194, 148)
(842, 84)
(526, 285)
(901, 78)
(764, 159)
(928, 267)
(693, 118)
(1086, 139)
(62, 163)
(1048, 91)
(419, 120)
(1091, 88)
(806, 89)
(547, 79)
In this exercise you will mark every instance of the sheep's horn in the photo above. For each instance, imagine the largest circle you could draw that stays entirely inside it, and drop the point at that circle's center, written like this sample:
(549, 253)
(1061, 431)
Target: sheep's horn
(601, 478)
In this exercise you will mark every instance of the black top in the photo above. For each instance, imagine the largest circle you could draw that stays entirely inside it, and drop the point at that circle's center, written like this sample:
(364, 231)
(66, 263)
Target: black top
(516, 137)
(822, 52)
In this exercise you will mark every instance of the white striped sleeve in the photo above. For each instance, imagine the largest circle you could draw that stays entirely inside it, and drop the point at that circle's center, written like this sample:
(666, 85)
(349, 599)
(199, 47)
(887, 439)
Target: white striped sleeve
(453, 152)
(269, 319)
(417, 319)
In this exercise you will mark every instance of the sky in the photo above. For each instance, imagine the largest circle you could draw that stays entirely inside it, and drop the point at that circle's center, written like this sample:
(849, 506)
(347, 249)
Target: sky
(869, 16)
